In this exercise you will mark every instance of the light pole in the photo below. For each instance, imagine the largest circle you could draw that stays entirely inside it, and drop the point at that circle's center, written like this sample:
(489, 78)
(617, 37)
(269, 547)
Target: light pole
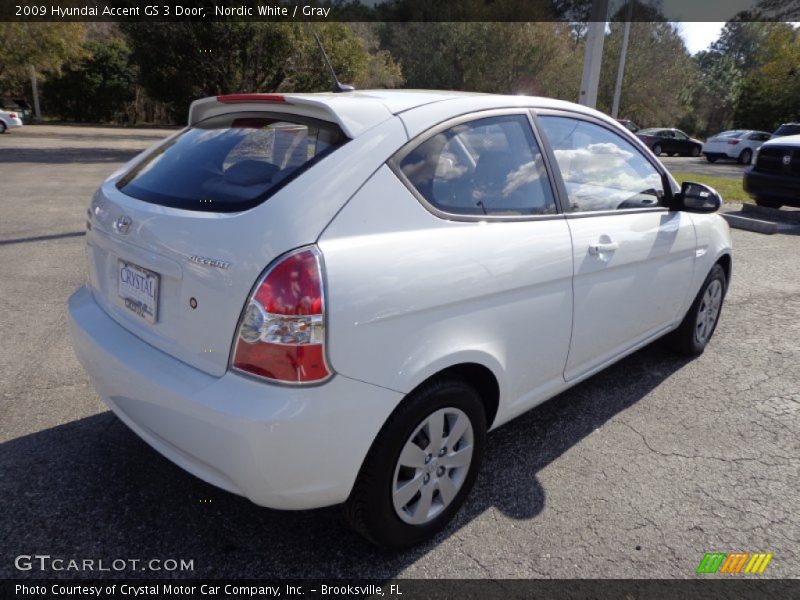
(593, 56)
(623, 54)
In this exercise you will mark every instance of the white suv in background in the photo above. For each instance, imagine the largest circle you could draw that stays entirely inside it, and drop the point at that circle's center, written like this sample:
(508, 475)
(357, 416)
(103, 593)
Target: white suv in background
(314, 299)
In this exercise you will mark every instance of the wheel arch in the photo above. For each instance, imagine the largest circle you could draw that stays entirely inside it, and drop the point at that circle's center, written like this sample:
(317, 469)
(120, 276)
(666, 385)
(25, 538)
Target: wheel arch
(726, 262)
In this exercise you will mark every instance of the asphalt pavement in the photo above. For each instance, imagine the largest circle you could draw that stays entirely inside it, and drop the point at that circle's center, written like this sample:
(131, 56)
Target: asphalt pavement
(729, 169)
(635, 473)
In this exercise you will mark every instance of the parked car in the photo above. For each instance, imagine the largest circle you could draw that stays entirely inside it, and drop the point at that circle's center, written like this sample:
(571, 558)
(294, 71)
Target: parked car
(19, 106)
(739, 144)
(314, 299)
(787, 129)
(9, 120)
(630, 125)
(774, 179)
(670, 141)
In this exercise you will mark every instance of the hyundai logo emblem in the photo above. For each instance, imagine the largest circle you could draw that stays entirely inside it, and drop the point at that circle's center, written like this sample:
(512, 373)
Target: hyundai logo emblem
(123, 224)
(787, 159)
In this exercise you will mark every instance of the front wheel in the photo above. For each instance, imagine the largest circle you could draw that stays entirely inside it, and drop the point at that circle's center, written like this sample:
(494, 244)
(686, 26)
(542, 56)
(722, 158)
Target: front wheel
(657, 149)
(695, 331)
(695, 151)
(421, 466)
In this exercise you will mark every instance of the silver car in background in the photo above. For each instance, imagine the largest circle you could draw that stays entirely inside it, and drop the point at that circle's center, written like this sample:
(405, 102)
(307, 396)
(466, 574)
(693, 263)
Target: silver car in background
(737, 144)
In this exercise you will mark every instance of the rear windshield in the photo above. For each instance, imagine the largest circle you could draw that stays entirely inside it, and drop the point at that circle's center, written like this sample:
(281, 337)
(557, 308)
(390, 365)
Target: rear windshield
(737, 134)
(231, 162)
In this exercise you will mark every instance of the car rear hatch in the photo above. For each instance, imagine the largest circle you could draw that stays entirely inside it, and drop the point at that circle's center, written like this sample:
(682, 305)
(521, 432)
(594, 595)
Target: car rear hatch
(179, 238)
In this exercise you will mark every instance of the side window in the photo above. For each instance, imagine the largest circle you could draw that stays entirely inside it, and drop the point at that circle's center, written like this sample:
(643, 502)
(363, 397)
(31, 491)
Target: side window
(601, 170)
(490, 166)
(680, 135)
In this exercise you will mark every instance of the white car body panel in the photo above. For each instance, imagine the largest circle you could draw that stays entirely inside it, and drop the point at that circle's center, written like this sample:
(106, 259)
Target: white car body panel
(512, 282)
(9, 121)
(249, 240)
(408, 294)
(646, 279)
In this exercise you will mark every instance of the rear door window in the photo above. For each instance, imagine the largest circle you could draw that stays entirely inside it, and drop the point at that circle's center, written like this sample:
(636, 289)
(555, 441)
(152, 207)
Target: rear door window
(489, 166)
(231, 162)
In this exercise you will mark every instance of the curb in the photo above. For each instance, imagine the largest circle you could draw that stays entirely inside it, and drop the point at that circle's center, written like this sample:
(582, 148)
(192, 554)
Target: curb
(750, 224)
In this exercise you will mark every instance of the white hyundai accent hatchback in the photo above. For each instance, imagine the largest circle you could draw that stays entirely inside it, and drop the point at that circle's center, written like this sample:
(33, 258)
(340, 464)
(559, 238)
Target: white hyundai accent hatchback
(313, 299)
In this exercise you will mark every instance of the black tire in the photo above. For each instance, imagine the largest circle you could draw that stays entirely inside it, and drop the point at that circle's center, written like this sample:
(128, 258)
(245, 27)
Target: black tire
(685, 338)
(695, 151)
(657, 149)
(746, 156)
(370, 507)
(711, 159)
(768, 203)
(2, 127)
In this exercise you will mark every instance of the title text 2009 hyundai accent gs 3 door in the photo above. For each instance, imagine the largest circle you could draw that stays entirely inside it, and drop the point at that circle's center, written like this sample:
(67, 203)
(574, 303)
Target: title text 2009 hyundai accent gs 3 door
(313, 299)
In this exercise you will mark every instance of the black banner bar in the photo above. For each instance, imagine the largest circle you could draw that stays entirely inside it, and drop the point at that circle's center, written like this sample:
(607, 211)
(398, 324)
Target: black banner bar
(393, 10)
(715, 588)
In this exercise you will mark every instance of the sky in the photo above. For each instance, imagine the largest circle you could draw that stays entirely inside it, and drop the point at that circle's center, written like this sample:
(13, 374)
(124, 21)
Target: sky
(698, 36)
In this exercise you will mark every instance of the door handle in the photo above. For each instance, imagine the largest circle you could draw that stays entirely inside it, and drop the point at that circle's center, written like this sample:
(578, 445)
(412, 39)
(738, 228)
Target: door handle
(601, 247)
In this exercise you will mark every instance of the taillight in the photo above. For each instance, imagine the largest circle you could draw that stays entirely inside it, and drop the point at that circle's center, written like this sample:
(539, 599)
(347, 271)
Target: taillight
(12, 115)
(281, 334)
(733, 142)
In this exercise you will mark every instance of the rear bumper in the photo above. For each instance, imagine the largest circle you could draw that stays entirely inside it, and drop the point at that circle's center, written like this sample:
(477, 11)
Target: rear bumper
(785, 188)
(12, 123)
(281, 447)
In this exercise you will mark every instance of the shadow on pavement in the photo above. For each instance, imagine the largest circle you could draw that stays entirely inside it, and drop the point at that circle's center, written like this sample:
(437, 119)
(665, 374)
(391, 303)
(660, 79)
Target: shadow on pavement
(92, 489)
(66, 155)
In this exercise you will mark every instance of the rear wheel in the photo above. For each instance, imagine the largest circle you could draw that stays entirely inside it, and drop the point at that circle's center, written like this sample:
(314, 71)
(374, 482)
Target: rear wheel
(745, 157)
(2, 127)
(711, 159)
(700, 322)
(421, 467)
(768, 203)
(657, 149)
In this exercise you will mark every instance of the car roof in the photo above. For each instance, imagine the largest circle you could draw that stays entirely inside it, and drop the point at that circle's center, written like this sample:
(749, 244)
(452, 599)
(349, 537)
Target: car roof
(357, 111)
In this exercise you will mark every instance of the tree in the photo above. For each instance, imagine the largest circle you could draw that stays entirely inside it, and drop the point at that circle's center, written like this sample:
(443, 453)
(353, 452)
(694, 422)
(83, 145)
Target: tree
(770, 93)
(724, 91)
(180, 62)
(533, 58)
(46, 46)
(98, 88)
(657, 71)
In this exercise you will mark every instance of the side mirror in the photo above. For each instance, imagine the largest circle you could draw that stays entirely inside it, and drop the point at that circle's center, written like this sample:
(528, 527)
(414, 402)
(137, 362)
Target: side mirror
(699, 198)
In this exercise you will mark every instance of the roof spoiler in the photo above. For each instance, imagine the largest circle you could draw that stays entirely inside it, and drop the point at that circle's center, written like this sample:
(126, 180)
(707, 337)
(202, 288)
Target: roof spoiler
(322, 107)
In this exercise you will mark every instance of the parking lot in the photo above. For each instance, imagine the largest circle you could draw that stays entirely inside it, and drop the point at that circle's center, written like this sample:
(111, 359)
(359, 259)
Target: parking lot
(635, 473)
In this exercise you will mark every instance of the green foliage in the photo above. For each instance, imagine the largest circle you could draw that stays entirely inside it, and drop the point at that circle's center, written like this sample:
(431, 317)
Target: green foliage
(45, 46)
(771, 92)
(537, 58)
(657, 71)
(728, 90)
(97, 88)
(180, 62)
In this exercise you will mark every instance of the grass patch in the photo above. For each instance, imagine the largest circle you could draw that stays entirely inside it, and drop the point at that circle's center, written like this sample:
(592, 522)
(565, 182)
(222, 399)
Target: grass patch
(731, 189)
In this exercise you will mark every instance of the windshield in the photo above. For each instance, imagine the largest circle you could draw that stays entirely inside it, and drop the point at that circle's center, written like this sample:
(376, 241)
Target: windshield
(231, 162)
